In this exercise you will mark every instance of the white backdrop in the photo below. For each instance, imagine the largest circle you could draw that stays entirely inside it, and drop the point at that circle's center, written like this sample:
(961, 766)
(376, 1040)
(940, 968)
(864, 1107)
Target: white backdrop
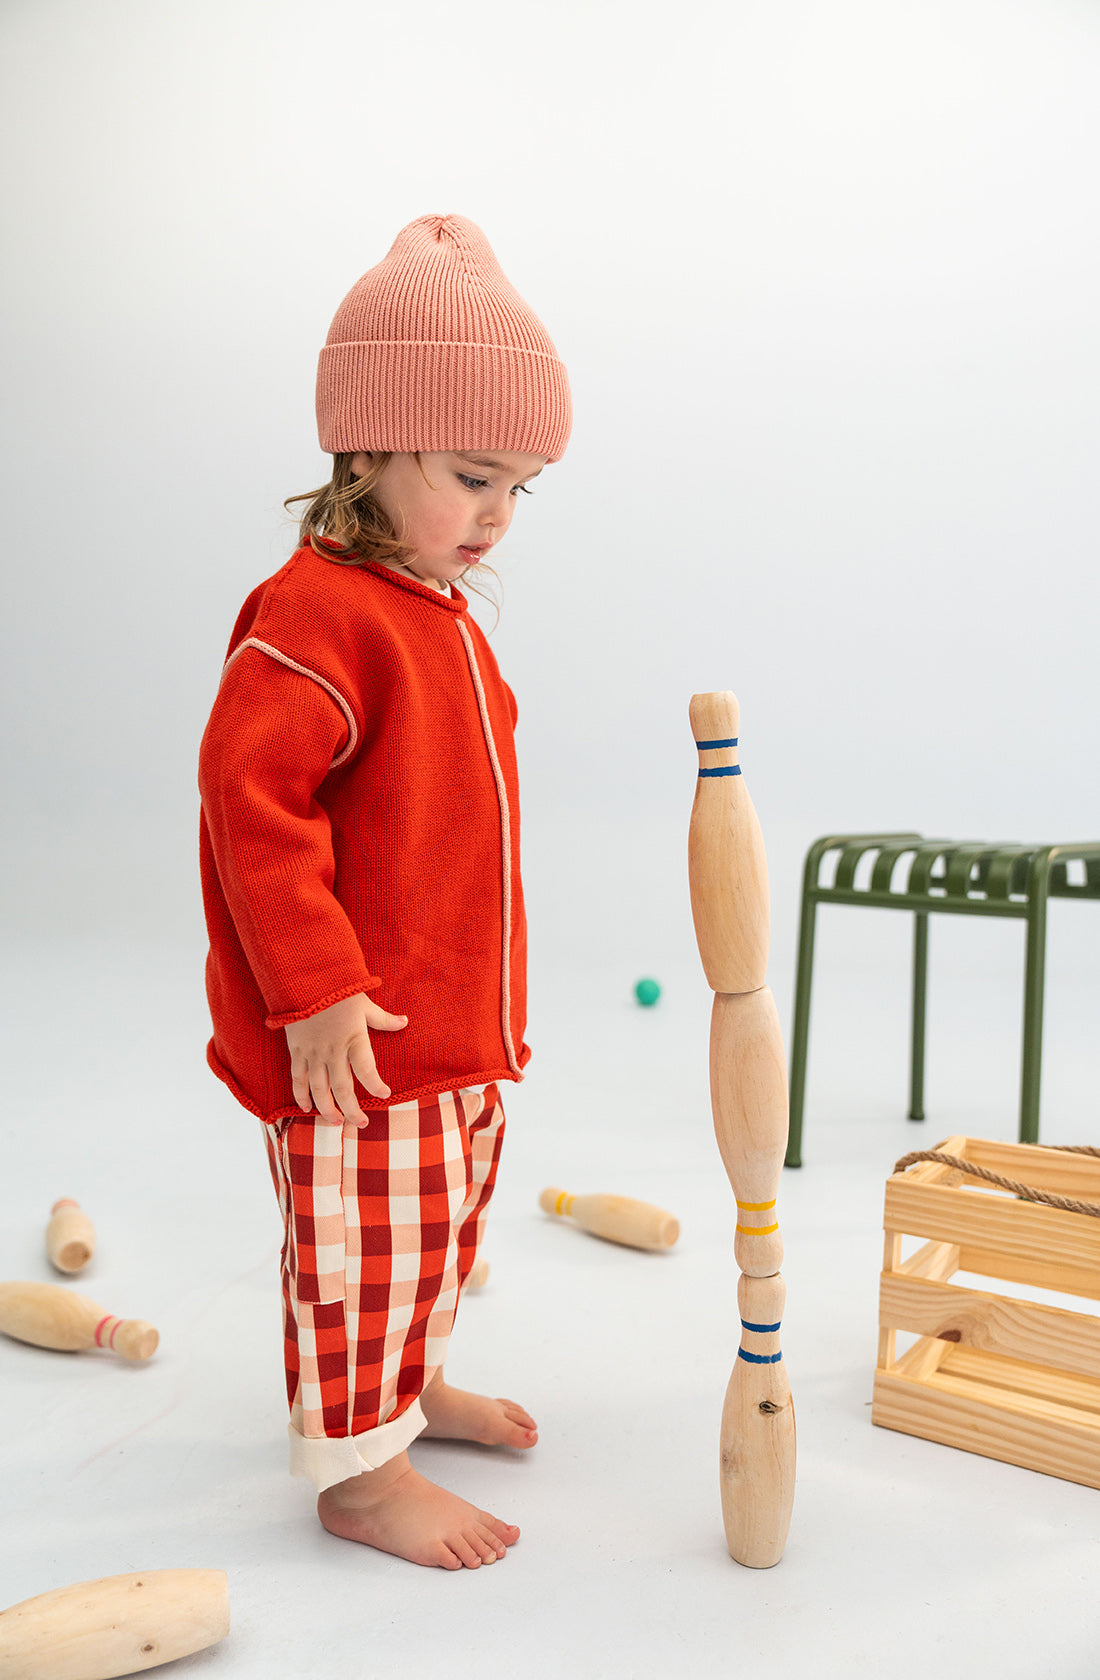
(825, 278)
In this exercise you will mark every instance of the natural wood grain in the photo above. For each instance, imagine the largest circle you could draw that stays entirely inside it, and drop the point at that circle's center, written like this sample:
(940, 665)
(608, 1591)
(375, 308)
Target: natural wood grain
(983, 1220)
(121, 1624)
(999, 1427)
(748, 1088)
(936, 1260)
(1041, 1335)
(727, 866)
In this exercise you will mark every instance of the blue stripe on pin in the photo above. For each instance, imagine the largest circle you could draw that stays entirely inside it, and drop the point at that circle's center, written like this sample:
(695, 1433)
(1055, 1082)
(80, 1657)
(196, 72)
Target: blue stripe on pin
(760, 1329)
(709, 746)
(723, 770)
(759, 1358)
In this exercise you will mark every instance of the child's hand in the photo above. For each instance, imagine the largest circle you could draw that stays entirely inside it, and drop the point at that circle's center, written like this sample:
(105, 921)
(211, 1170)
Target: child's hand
(326, 1049)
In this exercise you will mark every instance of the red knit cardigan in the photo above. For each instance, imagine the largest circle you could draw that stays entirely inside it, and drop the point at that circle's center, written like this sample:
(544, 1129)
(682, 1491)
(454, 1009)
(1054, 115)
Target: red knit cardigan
(360, 833)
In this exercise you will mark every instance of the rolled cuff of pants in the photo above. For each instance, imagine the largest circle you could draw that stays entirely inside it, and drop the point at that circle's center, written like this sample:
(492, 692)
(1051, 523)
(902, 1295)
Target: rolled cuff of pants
(325, 1460)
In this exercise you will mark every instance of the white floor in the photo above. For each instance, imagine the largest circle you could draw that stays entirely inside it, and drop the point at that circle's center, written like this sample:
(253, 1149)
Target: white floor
(905, 1558)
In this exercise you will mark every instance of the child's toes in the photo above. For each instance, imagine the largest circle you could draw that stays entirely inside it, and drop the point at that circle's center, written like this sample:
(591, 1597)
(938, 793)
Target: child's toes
(489, 1545)
(506, 1533)
(516, 1414)
(466, 1553)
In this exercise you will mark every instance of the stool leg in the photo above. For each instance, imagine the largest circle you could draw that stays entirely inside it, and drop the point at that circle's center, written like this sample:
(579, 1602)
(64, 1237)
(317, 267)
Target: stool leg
(920, 996)
(800, 1035)
(1034, 966)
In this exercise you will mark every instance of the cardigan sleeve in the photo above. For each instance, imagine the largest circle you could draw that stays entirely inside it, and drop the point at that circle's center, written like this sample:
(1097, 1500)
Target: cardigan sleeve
(272, 737)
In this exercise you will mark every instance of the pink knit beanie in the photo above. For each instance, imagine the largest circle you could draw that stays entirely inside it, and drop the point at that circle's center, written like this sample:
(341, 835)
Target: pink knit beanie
(434, 349)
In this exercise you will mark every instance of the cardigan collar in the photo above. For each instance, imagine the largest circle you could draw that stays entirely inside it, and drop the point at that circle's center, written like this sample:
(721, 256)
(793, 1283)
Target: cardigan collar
(455, 603)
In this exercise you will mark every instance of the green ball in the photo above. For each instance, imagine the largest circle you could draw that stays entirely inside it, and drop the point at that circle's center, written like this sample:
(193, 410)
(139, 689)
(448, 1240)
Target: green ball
(647, 992)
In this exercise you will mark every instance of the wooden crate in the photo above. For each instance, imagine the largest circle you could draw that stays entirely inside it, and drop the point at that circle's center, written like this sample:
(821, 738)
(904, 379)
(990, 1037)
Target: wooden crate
(995, 1375)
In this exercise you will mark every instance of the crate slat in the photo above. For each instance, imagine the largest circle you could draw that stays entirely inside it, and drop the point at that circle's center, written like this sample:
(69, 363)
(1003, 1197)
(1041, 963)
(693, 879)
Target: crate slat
(936, 1260)
(1047, 1169)
(1041, 1384)
(988, 1221)
(1012, 1433)
(1009, 1268)
(973, 1318)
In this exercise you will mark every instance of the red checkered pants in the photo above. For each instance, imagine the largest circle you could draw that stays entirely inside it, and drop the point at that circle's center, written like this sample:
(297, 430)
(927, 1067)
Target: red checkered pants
(383, 1224)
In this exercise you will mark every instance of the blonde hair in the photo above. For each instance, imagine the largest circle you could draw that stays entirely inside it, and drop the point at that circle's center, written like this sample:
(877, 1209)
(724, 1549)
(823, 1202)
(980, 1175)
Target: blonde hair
(345, 523)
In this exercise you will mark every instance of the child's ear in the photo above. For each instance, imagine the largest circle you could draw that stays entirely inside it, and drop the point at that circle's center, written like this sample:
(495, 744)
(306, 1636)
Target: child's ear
(360, 463)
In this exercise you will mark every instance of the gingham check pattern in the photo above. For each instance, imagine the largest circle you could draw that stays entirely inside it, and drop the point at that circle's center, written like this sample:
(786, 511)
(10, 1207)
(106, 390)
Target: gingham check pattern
(382, 1227)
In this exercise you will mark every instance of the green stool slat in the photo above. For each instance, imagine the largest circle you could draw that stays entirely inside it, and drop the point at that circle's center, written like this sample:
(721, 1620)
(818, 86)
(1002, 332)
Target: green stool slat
(961, 877)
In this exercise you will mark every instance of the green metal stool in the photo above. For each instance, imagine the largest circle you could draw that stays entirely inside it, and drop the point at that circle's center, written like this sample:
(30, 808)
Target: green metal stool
(963, 878)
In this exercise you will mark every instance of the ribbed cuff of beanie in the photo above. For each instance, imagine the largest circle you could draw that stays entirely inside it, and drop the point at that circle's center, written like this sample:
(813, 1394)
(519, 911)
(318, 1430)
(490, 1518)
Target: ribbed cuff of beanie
(442, 396)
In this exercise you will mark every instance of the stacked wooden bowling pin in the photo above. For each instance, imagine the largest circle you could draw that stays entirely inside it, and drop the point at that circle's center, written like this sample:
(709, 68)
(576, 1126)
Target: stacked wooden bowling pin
(728, 876)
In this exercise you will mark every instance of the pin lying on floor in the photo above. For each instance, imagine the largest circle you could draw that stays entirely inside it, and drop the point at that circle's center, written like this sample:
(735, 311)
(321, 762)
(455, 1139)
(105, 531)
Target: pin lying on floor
(121, 1624)
(50, 1316)
(618, 1218)
(70, 1236)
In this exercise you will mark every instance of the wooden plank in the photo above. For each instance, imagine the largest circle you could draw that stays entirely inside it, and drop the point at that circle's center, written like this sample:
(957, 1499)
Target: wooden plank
(935, 1260)
(1036, 1407)
(922, 1359)
(1049, 1169)
(936, 1172)
(1001, 1429)
(1040, 1335)
(1066, 1280)
(1040, 1384)
(887, 1340)
(969, 1217)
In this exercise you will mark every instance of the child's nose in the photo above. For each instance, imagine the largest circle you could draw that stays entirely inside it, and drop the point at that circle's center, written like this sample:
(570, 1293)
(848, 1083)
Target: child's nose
(499, 510)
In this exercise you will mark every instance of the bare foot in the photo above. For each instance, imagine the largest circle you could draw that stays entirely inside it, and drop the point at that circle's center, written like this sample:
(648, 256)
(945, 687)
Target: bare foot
(399, 1511)
(455, 1415)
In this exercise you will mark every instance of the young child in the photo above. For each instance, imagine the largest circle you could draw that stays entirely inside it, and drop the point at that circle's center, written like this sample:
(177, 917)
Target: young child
(360, 866)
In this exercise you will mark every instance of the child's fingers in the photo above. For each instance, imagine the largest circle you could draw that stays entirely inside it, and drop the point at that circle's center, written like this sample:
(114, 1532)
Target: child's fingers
(322, 1095)
(379, 1019)
(342, 1088)
(365, 1070)
(299, 1083)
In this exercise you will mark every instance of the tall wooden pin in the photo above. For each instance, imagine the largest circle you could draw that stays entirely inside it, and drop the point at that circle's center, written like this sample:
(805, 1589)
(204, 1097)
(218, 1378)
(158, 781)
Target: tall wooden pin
(728, 876)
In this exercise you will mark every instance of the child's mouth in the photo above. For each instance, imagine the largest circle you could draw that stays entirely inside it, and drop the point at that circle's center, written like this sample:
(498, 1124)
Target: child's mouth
(470, 555)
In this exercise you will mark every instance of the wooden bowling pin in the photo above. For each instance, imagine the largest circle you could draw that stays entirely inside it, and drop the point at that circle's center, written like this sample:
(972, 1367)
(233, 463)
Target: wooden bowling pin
(748, 1093)
(618, 1218)
(122, 1624)
(70, 1236)
(727, 868)
(758, 1443)
(53, 1317)
(728, 875)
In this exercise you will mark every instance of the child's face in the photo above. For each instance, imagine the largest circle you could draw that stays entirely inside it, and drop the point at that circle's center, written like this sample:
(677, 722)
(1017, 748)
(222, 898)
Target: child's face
(453, 506)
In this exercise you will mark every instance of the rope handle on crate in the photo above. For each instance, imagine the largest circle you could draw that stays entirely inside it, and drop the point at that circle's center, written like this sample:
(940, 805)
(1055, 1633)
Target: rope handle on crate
(1027, 1191)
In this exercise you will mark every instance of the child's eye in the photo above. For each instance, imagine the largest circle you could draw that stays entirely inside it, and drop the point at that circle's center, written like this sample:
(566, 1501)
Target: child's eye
(522, 487)
(472, 483)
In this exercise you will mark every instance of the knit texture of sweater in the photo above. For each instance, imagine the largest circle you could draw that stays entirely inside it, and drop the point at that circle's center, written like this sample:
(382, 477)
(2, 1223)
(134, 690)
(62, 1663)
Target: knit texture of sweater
(360, 833)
